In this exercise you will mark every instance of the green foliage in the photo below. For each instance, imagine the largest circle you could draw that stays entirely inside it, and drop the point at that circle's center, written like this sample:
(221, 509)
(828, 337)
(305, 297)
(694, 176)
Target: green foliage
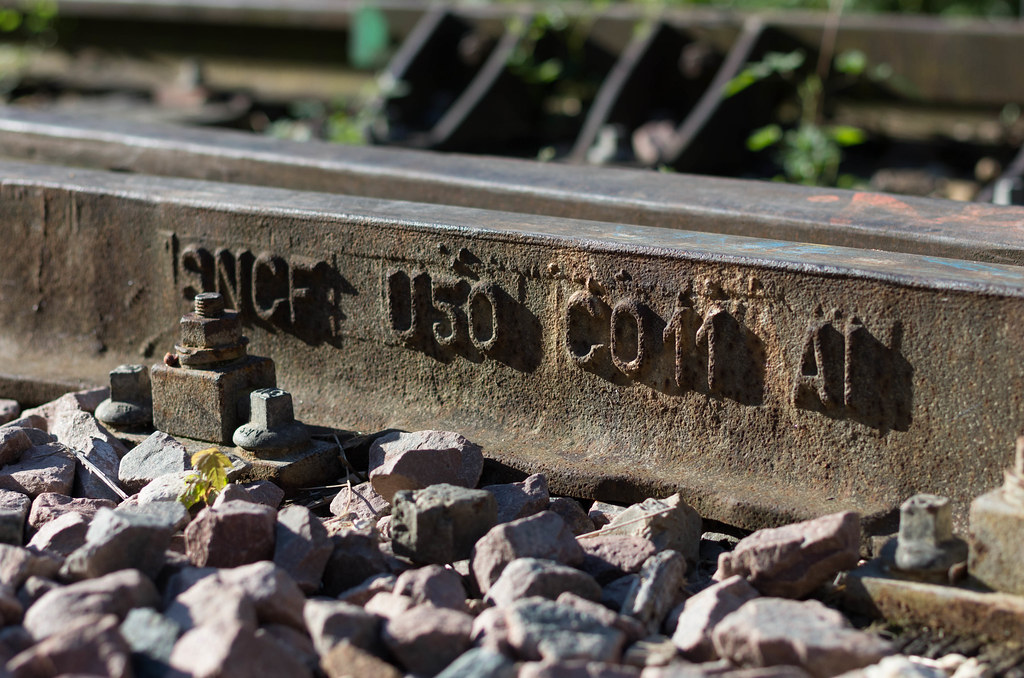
(773, 63)
(208, 479)
(522, 62)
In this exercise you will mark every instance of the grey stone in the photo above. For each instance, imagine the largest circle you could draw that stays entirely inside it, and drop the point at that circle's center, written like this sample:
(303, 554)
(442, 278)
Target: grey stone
(92, 646)
(115, 594)
(659, 589)
(525, 577)
(701, 612)
(35, 588)
(615, 592)
(151, 637)
(164, 488)
(433, 584)
(578, 668)
(633, 629)
(235, 533)
(234, 651)
(42, 468)
(81, 431)
(541, 629)
(275, 594)
(293, 641)
(117, 540)
(172, 514)
(348, 661)
(18, 564)
(519, 500)
(9, 410)
(389, 605)
(793, 560)
(775, 631)
(79, 401)
(212, 603)
(490, 631)
(359, 595)
(426, 639)
(301, 546)
(898, 666)
(440, 524)
(157, 455)
(356, 557)
(669, 523)
(330, 622)
(602, 513)
(413, 461)
(264, 492)
(543, 535)
(573, 515)
(50, 505)
(14, 507)
(62, 535)
(13, 442)
(479, 662)
(609, 557)
(361, 501)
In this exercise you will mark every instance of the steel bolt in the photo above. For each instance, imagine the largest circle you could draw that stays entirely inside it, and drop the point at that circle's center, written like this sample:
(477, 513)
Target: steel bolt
(1013, 478)
(926, 545)
(130, 403)
(209, 304)
(272, 430)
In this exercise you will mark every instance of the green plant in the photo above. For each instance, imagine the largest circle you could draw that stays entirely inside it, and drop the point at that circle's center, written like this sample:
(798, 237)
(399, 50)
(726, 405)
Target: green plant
(210, 476)
(26, 30)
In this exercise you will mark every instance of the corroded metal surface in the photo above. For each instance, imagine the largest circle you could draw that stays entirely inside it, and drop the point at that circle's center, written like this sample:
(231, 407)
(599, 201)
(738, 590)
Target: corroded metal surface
(767, 380)
(763, 209)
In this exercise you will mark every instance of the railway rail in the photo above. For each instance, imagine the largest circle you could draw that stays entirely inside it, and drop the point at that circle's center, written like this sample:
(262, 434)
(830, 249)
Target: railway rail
(769, 378)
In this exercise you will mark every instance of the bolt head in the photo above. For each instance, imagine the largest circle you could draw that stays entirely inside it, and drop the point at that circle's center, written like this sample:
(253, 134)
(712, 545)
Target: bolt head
(200, 332)
(270, 408)
(130, 384)
(926, 519)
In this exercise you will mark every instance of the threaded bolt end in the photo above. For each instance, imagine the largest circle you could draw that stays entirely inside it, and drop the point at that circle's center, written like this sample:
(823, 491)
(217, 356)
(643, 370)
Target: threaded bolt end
(209, 305)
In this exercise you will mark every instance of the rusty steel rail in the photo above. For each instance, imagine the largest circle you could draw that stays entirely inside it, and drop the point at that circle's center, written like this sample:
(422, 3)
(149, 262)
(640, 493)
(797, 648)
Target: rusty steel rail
(767, 380)
(969, 231)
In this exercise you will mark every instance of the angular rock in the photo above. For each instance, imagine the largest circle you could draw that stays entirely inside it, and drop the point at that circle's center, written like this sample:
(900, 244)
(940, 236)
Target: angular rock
(295, 642)
(41, 468)
(389, 605)
(18, 564)
(50, 505)
(13, 442)
(81, 431)
(612, 556)
(543, 535)
(602, 513)
(812, 636)
(412, 461)
(264, 492)
(13, 639)
(440, 524)
(361, 501)
(233, 651)
(479, 662)
(9, 410)
(426, 639)
(118, 540)
(35, 588)
(614, 593)
(519, 500)
(172, 514)
(348, 661)
(69, 403)
(62, 535)
(898, 666)
(275, 594)
(579, 668)
(658, 590)
(164, 488)
(301, 546)
(236, 533)
(669, 523)
(633, 629)
(151, 637)
(433, 584)
(14, 508)
(27, 422)
(356, 557)
(540, 629)
(359, 595)
(793, 560)
(115, 594)
(330, 622)
(212, 603)
(573, 515)
(702, 612)
(157, 455)
(525, 577)
(93, 645)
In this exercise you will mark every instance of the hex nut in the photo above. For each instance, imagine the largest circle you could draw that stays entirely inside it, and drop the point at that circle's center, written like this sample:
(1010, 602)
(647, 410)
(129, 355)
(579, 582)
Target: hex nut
(130, 403)
(272, 430)
(201, 332)
(926, 546)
